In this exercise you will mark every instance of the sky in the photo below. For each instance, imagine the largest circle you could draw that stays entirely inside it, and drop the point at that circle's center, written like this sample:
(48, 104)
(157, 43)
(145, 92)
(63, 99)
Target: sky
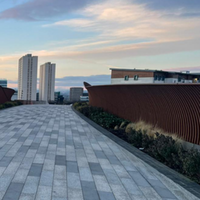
(87, 37)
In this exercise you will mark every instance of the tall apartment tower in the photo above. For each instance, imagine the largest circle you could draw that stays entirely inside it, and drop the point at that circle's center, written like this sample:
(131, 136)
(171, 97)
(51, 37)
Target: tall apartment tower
(27, 78)
(47, 82)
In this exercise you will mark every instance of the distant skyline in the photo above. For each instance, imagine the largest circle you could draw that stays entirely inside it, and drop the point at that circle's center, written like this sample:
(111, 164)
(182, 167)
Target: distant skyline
(87, 37)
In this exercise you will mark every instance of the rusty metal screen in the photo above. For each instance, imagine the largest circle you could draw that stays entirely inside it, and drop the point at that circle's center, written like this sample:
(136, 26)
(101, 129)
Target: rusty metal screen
(5, 94)
(173, 107)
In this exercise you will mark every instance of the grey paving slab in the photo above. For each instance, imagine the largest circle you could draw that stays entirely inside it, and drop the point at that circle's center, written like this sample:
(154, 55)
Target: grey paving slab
(5, 161)
(102, 184)
(96, 169)
(89, 190)
(75, 194)
(49, 152)
(35, 170)
(139, 179)
(46, 178)
(72, 166)
(13, 191)
(73, 180)
(100, 154)
(60, 160)
(44, 193)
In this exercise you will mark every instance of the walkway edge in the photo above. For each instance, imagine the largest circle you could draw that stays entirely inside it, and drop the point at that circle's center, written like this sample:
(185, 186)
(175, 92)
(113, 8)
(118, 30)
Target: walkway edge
(181, 180)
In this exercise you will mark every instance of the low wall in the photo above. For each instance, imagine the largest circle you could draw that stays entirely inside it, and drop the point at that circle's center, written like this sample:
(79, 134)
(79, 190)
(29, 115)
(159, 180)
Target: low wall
(172, 107)
(5, 94)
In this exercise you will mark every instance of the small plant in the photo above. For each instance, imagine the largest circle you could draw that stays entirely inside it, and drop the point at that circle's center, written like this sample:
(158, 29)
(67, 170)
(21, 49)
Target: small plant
(10, 104)
(135, 138)
(191, 164)
(2, 106)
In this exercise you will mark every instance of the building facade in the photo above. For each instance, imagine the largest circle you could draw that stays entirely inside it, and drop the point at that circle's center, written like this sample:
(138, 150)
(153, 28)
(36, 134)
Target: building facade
(47, 82)
(3, 83)
(56, 96)
(136, 76)
(27, 78)
(75, 93)
(14, 96)
(84, 97)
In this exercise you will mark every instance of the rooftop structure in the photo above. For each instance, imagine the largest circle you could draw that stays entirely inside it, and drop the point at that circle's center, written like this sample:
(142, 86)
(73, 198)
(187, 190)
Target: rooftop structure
(3, 83)
(138, 76)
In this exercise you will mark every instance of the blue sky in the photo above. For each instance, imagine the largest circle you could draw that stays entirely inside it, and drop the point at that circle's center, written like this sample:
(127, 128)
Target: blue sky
(87, 37)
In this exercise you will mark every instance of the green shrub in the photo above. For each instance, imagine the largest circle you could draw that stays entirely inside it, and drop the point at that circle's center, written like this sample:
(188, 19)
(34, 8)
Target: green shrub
(124, 124)
(162, 147)
(191, 164)
(19, 103)
(135, 138)
(85, 110)
(78, 104)
(8, 104)
(105, 119)
(98, 115)
(15, 103)
(147, 141)
(2, 106)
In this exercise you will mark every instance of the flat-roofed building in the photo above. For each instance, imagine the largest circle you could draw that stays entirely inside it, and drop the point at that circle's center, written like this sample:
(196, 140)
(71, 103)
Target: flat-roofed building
(27, 78)
(138, 76)
(3, 83)
(75, 93)
(47, 82)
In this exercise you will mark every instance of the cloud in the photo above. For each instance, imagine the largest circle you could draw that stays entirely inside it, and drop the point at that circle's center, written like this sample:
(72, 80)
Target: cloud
(192, 69)
(115, 51)
(170, 4)
(135, 50)
(175, 8)
(121, 24)
(122, 29)
(122, 20)
(124, 50)
(43, 9)
(74, 81)
(70, 81)
(73, 23)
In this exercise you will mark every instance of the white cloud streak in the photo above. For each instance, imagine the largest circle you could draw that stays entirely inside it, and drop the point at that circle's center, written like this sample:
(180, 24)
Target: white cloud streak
(125, 21)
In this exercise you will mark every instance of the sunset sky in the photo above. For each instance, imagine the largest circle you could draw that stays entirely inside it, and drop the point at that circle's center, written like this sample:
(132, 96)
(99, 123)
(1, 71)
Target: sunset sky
(87, 37)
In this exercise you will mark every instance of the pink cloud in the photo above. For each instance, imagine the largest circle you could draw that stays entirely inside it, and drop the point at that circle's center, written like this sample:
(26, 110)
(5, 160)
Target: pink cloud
(42, 9)
(192, 69)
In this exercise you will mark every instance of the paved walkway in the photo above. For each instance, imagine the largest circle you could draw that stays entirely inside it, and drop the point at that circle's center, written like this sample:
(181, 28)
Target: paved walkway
(48, 152)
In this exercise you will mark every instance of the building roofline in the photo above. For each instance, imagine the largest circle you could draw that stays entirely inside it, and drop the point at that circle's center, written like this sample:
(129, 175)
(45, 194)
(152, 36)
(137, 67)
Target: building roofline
(121, 69)
(149, 70)
(145, 84)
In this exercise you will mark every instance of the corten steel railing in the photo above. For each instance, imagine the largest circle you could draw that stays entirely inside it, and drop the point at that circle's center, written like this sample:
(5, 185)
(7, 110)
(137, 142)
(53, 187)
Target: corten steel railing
(5, 94)
(173, 107)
